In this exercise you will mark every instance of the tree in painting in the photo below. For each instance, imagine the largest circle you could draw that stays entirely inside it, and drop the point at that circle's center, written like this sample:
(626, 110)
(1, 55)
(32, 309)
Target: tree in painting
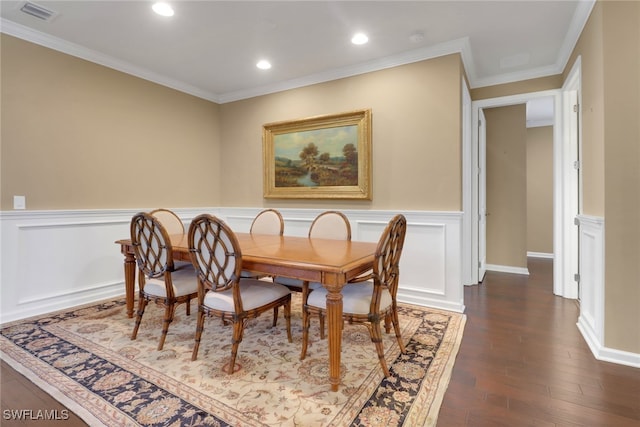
(325, 157)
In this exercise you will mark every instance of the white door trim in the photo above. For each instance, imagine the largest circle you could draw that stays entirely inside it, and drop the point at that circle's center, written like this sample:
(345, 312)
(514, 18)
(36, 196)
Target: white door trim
(467, 219)
(566, 234)
(562, 244)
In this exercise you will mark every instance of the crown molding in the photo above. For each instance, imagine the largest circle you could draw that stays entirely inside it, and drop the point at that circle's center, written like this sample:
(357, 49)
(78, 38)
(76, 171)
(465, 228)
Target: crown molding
(579, 20)
(20, 31)
(461, 46)
(455, 46)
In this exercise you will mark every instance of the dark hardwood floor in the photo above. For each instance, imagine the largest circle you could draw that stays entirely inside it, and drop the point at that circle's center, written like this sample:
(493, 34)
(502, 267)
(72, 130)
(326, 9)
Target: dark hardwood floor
(522, 362)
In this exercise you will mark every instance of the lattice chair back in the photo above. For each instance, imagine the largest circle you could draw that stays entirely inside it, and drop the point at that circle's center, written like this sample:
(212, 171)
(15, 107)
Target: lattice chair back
(331, 225)
(152, 245)
(269, 221)
(386, 268)
(171, 222)
(215, 253)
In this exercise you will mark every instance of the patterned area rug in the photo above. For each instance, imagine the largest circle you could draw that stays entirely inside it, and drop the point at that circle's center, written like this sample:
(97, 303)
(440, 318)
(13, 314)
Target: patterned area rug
(84, 358)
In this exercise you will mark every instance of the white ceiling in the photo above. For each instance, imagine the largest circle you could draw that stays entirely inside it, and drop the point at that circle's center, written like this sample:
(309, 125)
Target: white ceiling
(209, 48)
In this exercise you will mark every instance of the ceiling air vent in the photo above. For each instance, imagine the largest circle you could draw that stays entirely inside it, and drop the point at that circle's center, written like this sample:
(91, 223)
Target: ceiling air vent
(38, 11)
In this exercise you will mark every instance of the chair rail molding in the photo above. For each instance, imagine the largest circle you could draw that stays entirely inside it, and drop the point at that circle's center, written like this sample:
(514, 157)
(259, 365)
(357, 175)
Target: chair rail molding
(58, 259)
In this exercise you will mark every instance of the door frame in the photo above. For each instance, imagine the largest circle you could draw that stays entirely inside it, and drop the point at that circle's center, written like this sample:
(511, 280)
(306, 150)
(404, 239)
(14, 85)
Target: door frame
(564, 192)
(571, 150)
(481, 131)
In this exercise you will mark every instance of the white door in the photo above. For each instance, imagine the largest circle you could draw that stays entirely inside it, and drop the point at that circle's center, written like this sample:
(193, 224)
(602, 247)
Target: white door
(482, 195)
(575, 179)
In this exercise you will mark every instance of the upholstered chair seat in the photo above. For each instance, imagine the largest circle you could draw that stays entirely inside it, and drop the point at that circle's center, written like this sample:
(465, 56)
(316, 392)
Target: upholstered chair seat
(356, 298)
(254, 294)
(183, 281)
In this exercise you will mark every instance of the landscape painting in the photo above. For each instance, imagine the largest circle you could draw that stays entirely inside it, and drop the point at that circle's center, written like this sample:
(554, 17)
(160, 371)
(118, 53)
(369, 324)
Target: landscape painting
(319, 157)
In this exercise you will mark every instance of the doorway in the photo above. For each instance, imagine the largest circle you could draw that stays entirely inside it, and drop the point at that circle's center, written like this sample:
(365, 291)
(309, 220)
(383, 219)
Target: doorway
(565, 244)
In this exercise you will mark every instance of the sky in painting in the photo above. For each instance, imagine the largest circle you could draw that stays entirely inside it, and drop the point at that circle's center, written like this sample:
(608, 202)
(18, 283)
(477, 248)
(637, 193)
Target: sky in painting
(328, 140)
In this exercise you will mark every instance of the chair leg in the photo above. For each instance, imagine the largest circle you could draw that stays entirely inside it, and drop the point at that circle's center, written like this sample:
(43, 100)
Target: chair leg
(321, 319)
(396, 327)
(141, 306)
(238, 330)
(275, 316)
(287, 317)
(199, 329)
(168, 318)
(305, 331)
(188, 306)
(376, 337)
(387, 323)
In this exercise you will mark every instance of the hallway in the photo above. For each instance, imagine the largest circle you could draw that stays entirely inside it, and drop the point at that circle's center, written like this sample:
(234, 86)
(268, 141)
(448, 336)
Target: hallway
(523, 362)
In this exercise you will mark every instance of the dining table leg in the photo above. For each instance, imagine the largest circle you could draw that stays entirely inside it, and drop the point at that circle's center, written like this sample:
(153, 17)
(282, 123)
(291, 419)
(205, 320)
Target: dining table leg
(334, 320)
(129, 280)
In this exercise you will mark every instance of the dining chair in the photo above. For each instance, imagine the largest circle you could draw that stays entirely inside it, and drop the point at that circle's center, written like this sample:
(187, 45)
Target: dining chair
(215, 253)
(268, 221)
(374, 299)
(171, 222)
(159, 280)
(327, 225)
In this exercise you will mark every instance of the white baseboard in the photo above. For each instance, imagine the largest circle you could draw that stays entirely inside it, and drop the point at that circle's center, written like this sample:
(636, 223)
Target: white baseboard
(603, 353)
(507, 269)
(540, 255)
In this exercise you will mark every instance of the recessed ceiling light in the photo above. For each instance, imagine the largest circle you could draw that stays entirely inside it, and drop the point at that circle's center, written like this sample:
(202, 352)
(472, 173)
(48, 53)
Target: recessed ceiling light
(359, 38)
(163, 9)
(263, 64)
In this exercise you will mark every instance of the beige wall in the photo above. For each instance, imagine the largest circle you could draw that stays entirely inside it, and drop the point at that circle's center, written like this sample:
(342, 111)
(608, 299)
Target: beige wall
(76, 135)
(416, 121)
(540, 189)
(73, 132)
(610, 53)
(517, 88)
(589, 46)
(621, 23)
(507, 186)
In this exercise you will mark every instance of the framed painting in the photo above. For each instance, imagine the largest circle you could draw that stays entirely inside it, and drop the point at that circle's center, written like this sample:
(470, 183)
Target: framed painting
(322, 157)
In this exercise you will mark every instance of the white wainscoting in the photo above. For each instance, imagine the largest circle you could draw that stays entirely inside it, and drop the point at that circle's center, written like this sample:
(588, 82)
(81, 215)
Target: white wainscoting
(592, 295)
(52, 260)
(591, 288)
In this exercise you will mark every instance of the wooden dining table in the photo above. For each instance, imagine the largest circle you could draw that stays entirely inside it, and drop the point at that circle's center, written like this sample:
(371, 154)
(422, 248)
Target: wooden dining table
(330, 262)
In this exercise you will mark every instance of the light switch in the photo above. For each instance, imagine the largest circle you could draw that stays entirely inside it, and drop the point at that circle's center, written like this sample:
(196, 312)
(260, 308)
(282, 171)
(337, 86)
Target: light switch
(19, 202)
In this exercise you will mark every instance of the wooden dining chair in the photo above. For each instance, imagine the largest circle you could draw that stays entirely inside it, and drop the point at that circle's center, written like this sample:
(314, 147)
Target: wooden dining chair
(268, 221)
(371, 301)
(327, 225)
(173, 224)
(159, 280)
(216, 254)
(170, 220)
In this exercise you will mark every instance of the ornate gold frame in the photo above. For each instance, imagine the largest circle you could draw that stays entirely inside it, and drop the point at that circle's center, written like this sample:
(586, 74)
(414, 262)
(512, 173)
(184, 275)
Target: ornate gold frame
(294, 135)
